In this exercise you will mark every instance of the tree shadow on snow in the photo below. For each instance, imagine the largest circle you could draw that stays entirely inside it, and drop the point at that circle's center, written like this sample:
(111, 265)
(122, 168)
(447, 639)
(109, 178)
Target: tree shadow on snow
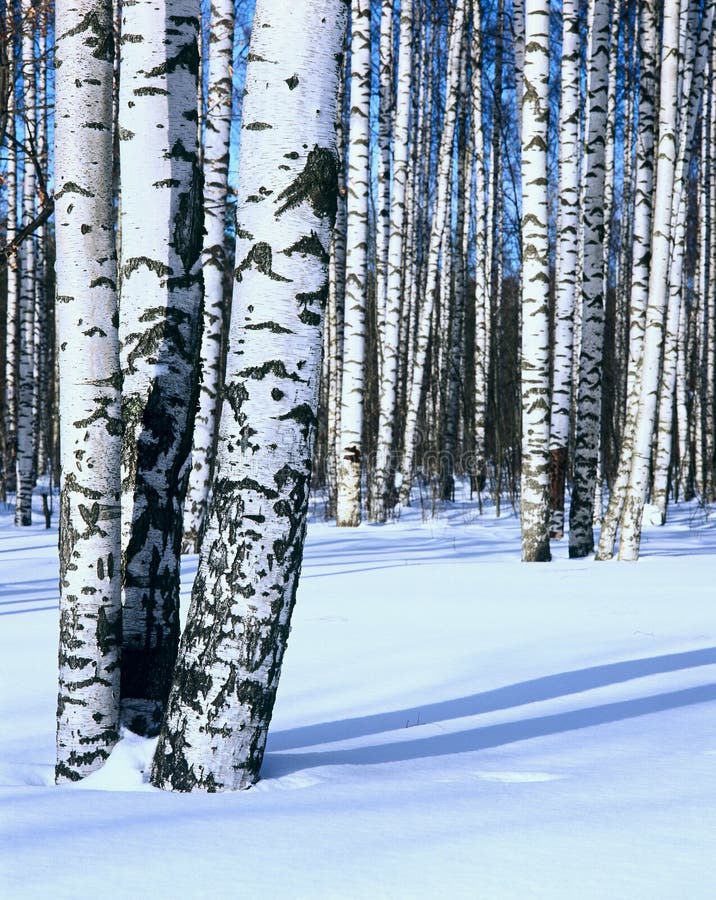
(536, 690)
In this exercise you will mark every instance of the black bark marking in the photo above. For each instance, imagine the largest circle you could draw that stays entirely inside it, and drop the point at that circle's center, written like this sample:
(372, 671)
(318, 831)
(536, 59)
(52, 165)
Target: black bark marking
(189, 220)
(317, 185)
(268, 326)
(71, 187)
(154, 265)
(309, 245)
(187, 58)
(260, 256)
(304, 416)
(292, 82)
(102, 40)
(274, 367)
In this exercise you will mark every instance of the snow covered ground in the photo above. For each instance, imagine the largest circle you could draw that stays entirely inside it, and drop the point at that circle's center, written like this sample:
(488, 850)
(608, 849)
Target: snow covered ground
(451, 723)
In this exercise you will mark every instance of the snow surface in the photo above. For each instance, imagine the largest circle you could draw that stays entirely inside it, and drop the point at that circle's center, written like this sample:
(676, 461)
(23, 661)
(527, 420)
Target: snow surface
(451, 723)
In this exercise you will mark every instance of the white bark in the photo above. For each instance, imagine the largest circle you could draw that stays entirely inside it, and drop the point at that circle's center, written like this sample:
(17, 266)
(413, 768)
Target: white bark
(348, 506)
(90, 418)
(534, 479)
(216, 169)
(386, 444)
(643, 199)
(334, 328)
(481, 275)
(160, 307)
(589, 391)
(227, 674)
(24, 461)
(13, 276)
(382, 211)
(567, 261)
(666, 152)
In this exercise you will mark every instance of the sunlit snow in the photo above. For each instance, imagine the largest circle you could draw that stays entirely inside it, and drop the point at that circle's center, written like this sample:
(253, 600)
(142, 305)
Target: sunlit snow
(451, 723)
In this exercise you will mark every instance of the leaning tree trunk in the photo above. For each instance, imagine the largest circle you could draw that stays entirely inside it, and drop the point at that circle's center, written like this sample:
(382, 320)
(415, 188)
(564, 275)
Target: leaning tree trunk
(589, 390)
(670, 179)
(90, 421)
(535, 288)
(643, 198)
(350, 457)
(227, 674)
(216, 170)
(160, 313)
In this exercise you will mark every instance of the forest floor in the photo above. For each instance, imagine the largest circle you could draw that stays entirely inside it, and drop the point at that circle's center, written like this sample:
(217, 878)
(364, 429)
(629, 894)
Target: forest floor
(451, 723)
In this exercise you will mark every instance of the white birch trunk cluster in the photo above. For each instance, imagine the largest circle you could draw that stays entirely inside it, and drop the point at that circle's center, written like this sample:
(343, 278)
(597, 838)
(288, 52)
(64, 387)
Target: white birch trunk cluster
(437, 229)
(227, 673)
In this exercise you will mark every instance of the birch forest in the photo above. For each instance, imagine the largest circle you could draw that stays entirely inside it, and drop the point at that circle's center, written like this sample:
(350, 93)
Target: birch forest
(369, 252)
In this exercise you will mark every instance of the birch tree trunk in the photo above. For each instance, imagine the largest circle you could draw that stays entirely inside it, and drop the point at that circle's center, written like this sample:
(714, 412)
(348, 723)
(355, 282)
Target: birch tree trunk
(519, 50)
(659, 332)
(589, 391)
(482, 291)
(382, 211)
(348, 505)
(160, 314)
(693, 100)
(336, 304)
(227, 674)
(643, 199)
(90, 419)
(25, 453)
(535, 288)
(567, 263)
(216, 171)
(383, 488)
(650, 371)
(13, 272)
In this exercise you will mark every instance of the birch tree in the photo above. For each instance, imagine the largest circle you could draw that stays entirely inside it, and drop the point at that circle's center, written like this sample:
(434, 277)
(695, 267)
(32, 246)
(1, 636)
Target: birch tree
(658, 275)
(566, 262)
(90, 421)
(660, 327)
(482, 293)
(160, 308)
(589, 390)
(220, 707)
(350, 459)
(385, 450)
(643, 199)
(216, 170)
(25, 449)
(535, 287)
(13, 274)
